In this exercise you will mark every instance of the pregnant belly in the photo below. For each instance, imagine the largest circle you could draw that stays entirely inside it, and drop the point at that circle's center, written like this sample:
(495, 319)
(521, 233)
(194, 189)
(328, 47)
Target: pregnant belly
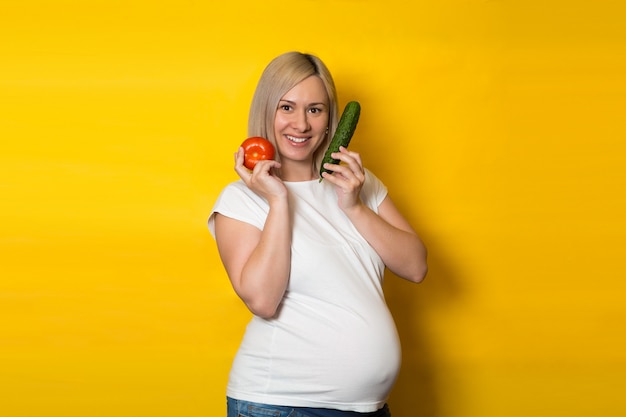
(341, 356)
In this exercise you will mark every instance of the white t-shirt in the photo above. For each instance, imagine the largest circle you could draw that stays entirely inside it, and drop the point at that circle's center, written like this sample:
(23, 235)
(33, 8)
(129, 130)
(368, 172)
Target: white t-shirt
(333, 342)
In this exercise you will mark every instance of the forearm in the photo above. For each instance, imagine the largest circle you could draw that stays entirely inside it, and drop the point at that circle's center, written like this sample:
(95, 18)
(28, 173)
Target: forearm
(265, 275)
(401, 249)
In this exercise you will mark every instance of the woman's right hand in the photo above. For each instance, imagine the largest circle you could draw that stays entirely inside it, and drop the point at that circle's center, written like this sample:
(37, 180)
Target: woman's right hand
(262, 179)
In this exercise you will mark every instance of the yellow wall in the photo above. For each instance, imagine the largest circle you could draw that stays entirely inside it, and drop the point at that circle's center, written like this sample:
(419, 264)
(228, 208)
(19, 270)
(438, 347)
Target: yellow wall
(498, 126)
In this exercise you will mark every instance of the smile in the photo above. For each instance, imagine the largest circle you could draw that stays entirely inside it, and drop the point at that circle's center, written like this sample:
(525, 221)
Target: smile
(297, 140)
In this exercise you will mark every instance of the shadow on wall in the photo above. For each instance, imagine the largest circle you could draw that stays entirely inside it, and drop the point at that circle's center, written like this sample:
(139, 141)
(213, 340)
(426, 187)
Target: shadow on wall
(417, 392)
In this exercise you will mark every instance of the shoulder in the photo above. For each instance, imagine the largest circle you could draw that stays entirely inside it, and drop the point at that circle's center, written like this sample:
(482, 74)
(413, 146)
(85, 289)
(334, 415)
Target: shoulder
(240, 203)
(371, 178)
(374, 190)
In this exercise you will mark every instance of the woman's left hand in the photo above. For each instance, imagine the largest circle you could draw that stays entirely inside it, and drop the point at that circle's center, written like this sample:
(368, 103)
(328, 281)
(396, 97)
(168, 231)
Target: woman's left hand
(348, 178)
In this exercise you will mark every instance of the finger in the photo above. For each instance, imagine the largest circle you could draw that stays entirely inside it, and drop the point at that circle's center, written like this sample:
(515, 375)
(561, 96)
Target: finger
(355, 155)
(239, 156)
(332, 178)
(347, 156)
(241, 170)
(266, 165)
(342, 176)
(262, 173)
(353, 161)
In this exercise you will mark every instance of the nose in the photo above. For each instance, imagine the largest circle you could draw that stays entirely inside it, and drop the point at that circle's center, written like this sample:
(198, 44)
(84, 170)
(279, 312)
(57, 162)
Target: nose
(301, 121)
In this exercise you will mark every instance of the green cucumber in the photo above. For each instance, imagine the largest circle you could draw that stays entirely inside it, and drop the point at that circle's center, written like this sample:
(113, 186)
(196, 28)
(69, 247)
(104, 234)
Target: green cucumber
(343, 134)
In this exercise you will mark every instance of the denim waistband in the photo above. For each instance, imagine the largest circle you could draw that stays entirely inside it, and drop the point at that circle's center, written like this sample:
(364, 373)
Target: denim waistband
(241, 408)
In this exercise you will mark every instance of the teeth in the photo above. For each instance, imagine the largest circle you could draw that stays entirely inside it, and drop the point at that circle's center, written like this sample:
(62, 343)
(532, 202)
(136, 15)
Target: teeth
(297, 140)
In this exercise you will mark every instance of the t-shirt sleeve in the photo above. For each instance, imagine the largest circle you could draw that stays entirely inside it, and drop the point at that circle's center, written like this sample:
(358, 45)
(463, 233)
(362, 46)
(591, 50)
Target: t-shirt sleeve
(373, 192)
(237, 201)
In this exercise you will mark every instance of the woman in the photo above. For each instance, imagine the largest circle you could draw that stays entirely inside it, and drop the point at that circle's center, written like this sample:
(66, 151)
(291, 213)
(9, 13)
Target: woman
(307, 258)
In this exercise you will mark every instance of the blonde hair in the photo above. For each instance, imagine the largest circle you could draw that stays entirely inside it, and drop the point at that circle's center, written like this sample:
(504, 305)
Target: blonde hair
(280, 76)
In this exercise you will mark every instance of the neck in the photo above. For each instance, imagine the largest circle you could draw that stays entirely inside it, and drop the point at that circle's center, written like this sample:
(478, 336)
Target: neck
(295, 172)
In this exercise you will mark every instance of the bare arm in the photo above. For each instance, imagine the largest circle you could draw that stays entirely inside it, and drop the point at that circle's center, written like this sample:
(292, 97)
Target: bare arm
(393, 238)
(388, 232)
(258, 262)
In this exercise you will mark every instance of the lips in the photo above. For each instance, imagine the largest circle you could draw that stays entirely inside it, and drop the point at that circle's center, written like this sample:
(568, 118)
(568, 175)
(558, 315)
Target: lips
(295, 139)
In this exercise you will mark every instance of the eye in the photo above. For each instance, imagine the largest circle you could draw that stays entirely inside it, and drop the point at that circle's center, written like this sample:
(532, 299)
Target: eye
(285, 107)
(315, 110)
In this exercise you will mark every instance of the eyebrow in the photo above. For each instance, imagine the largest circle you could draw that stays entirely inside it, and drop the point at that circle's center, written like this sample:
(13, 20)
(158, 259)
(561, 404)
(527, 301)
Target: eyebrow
(310, 104)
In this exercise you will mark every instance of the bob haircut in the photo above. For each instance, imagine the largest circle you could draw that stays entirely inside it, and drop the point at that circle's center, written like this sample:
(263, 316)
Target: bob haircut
(280, 76)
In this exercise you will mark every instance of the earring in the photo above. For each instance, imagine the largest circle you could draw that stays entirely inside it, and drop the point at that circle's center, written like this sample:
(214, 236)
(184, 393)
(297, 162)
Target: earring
(327, 130)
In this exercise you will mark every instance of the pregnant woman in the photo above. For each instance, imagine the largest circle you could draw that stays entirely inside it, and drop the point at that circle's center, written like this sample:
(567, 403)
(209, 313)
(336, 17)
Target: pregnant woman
(308, 257)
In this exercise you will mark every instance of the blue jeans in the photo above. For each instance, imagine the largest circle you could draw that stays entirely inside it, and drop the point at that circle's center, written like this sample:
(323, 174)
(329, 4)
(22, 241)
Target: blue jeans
(239, 408)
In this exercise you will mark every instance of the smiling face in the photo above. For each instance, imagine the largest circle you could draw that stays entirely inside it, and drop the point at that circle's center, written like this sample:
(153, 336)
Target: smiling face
(300, 123)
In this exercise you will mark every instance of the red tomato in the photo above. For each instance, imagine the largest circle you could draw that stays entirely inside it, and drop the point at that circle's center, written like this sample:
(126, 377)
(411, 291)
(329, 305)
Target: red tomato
(256, 149)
